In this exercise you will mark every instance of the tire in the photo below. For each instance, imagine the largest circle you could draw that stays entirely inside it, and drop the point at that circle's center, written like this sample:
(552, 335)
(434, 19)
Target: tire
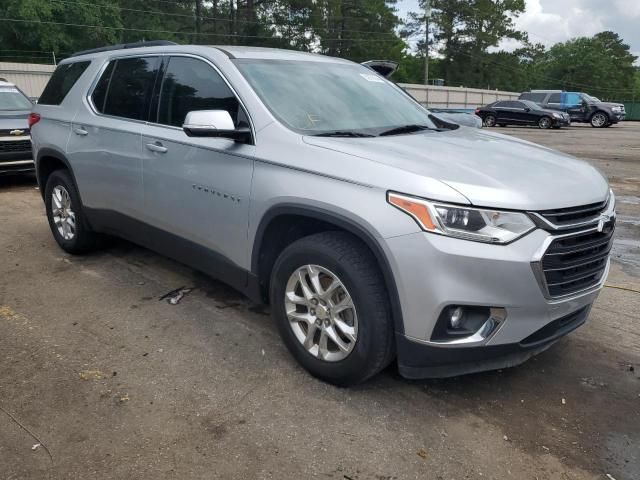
(599, 120)
(369, 320)
(489, 120)
(545, 123)
(79, 238)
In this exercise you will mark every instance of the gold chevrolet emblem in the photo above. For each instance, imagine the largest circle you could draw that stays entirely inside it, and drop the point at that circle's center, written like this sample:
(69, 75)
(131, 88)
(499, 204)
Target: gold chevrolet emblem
(17, 133)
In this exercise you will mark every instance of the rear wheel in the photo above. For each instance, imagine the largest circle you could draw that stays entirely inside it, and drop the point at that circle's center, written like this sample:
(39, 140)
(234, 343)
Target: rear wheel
(66, 218)
(599, 120)
(490, 120)
(545, 123)
(329, 300)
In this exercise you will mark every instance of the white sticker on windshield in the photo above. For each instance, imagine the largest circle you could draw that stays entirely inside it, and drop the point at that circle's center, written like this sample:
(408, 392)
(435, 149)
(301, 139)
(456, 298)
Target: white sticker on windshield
(371, 78)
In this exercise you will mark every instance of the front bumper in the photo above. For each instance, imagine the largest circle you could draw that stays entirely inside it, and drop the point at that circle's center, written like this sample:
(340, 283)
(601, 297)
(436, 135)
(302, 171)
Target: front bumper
(435, 272)
(562, 122)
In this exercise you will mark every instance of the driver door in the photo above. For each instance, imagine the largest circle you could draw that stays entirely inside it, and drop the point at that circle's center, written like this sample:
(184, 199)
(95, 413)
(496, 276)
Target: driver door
(196, 189)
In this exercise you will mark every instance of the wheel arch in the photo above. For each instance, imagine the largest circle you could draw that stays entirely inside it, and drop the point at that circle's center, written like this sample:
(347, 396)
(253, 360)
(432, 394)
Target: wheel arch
(600, 110)
(277, 230)
(49, 160)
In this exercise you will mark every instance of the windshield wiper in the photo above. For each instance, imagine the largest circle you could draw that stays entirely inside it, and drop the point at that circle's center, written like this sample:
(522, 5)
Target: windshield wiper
(406, 129)
(343, 133)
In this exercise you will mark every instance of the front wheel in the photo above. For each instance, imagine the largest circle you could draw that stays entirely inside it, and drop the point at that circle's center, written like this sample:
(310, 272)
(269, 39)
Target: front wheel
(329, 300)
(599, 120)
(545, 123)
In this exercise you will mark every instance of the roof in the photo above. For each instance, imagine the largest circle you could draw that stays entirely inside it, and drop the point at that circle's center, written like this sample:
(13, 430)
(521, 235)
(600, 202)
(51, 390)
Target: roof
(231, 51)
(263, 53)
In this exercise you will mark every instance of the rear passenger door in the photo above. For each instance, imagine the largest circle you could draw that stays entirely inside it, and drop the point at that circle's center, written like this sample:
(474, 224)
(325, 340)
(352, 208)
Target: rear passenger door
(196, 188)
(105, 143)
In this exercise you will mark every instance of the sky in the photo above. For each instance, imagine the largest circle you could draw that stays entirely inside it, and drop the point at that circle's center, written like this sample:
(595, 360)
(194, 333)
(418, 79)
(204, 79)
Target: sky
(552, 21)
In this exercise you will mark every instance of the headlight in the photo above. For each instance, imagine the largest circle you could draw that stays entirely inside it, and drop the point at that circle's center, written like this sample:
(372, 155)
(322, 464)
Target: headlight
(558, 115)
(480, 225)
(616, 109)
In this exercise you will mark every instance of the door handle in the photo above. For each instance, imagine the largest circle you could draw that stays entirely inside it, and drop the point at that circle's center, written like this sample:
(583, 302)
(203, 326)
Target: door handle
(80, 131)
(157, 147)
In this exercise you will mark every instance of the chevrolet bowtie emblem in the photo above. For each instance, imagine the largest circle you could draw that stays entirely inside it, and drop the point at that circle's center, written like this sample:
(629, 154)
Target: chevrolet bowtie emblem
(604, 219)
(17, 133)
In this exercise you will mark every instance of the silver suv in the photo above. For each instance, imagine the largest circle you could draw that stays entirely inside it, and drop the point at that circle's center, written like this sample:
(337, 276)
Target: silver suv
(375, 230)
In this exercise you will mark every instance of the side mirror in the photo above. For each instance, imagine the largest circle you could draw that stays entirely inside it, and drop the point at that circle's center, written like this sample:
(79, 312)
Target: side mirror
(213, 123)
(527, 109)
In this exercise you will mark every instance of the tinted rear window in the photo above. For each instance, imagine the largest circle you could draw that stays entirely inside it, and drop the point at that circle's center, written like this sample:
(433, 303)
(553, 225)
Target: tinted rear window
(129, 88)
(64, 77)
(555, 98)
(534, 97)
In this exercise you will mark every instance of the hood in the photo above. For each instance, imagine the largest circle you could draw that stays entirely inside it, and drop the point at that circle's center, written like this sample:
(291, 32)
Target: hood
(489, 169)
(609, 104)
(13, 120)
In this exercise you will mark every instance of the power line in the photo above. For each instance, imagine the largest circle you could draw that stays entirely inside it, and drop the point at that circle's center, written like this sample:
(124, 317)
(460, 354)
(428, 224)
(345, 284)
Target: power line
(146, 30)
(202, 17)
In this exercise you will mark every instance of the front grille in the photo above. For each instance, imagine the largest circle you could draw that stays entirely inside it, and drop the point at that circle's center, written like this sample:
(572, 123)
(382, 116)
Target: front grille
(577, 262)
(17, 146)
(567, 216)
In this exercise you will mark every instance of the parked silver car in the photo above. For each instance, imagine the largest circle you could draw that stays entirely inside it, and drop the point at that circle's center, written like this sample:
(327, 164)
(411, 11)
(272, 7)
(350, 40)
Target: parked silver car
(15, 141)
(316, 185)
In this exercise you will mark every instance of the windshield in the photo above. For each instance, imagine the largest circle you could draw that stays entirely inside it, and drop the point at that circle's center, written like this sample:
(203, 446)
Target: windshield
(317, 97)
(590, 99)
(11, 99)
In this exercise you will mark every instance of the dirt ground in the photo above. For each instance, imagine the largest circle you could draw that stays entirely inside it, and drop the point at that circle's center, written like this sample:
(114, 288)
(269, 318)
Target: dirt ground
(99, 379)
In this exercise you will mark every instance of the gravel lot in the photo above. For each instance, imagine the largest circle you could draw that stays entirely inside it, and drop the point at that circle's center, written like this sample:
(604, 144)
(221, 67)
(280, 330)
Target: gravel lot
(99, 379)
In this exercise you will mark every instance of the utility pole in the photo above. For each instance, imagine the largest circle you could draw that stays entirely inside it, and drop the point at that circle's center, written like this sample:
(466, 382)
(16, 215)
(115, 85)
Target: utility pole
(427, 16)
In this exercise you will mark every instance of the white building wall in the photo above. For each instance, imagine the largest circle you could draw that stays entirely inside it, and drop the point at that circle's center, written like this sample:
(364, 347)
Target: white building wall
(455, 97)
(31, 78)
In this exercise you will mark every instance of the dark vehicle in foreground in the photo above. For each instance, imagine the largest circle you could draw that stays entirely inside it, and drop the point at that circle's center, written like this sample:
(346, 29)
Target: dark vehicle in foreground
(582, 108)
(521, 112)
(15, 141)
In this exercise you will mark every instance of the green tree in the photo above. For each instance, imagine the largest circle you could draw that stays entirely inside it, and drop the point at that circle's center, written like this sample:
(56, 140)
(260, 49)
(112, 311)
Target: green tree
(45, 26)
(463, 31)
(601, 65)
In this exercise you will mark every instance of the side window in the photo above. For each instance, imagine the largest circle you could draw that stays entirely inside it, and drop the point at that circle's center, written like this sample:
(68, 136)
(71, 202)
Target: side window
(190, 84)
(555, 98)
(99, 94)
(64, 77)
(519, 105)
(499, 105)
(129, 88)
(534, 97)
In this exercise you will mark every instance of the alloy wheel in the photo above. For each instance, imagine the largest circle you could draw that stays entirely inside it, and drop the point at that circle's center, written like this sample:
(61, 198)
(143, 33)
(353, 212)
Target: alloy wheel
(490, 121)
(545, 122)
(599, 120)
(321, 313)
(64, 217)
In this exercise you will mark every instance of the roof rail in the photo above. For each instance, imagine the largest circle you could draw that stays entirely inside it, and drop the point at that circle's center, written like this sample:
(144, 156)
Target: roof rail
(122, 46)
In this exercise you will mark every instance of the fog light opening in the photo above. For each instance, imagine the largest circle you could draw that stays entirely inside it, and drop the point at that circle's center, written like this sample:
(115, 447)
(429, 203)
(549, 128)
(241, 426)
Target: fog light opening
(467, 323)
(456, 317)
